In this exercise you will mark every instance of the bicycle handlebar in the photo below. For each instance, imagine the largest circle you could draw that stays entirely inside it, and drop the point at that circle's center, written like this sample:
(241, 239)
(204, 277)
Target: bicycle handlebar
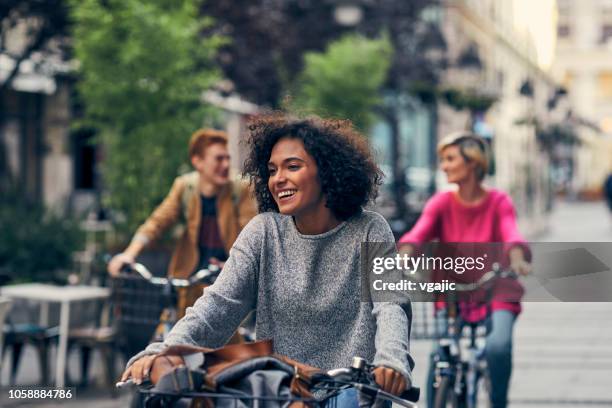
(206, 275)
(359, 375)
(496, 273)
(355, 377)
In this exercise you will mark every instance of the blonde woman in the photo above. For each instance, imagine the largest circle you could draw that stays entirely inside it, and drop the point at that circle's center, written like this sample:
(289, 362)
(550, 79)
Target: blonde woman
(474, 213)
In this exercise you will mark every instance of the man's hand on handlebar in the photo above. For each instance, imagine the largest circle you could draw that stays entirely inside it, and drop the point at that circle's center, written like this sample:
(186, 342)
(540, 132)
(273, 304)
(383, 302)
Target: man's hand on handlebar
(216, 262)
(389, 380)
(118, 261)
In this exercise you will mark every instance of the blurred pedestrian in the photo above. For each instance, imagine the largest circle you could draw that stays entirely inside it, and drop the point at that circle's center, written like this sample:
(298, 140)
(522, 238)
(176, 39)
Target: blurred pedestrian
(473, 214)
(608, 191)
(212, 208)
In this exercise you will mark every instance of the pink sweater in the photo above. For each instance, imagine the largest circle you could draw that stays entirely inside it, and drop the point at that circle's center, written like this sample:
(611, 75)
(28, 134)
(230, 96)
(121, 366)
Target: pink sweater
(492, 220)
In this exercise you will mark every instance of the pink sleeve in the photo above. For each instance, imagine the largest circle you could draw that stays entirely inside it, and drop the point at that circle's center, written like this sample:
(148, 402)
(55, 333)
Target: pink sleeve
(508, 228)
(427, 226)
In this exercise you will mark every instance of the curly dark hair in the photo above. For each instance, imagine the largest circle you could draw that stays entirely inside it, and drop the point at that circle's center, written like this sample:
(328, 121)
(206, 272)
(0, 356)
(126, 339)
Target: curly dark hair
(347, 171)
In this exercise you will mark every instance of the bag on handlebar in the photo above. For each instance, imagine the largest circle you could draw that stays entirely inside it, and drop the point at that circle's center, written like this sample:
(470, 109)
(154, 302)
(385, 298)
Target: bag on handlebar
(248, 372)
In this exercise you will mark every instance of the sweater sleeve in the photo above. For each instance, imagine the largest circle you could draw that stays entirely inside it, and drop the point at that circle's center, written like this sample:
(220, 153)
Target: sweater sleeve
(508, 228)
(214, 317)
(393, 318)
(427, 226)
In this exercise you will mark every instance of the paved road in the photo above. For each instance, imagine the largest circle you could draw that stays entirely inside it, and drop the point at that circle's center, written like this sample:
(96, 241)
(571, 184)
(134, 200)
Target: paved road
(563, 351)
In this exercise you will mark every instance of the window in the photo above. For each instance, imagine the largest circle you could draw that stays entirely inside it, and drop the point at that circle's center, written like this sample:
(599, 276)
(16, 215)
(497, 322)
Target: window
(84, 160)
(568, 80)
(606, 32)
(564, 26)
(563, 30)
(605, 85)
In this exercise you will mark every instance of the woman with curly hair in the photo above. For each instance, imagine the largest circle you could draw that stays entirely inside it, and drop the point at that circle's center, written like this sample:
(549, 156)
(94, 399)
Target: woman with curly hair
(298, 262)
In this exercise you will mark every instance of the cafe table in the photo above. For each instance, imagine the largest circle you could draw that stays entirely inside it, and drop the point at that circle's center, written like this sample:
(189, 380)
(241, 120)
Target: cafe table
(66, 296)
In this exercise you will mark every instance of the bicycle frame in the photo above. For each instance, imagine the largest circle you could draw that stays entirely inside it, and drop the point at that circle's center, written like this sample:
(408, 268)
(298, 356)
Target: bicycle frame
(462, 365)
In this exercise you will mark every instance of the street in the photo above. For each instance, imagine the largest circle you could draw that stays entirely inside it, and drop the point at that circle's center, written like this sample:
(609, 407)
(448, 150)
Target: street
(562, 351)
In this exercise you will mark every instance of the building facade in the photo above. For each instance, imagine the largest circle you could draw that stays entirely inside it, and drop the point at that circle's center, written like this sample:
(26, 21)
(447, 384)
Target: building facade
(495, 52)
(583, 63)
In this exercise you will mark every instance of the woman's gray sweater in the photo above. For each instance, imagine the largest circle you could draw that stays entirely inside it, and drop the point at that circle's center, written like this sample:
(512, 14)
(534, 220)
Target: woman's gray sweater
(306, 290)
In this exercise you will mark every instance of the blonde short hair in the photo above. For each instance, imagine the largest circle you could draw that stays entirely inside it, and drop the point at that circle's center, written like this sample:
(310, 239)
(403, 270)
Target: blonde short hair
(473, 149)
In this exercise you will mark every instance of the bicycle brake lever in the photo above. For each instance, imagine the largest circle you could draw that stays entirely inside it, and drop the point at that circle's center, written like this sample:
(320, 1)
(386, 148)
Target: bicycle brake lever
(130, 382)
(123, 384)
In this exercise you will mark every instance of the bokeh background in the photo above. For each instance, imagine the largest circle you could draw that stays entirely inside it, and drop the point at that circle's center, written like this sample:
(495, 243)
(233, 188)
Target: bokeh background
(98, 99)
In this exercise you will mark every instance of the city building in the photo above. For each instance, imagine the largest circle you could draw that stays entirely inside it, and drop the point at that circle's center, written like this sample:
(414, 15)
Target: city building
(40, 153)
(502, 50)
(583, 63)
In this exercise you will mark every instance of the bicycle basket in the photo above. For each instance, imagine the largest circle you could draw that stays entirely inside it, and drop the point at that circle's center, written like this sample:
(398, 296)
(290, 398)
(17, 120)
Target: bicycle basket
(423, 322)
(138, 306)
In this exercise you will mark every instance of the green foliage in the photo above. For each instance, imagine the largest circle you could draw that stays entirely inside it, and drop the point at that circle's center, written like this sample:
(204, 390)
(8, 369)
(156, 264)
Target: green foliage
(344, 81)
(35, 245)
(143, 68)
(473, 101)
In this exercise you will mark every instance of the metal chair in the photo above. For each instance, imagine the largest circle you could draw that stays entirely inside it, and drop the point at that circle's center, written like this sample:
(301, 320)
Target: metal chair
(17, 335)
(101, 336)
(5, 306)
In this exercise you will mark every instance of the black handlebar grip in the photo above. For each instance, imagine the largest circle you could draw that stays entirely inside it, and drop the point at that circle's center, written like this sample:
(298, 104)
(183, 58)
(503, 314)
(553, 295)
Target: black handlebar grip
(126, 268)
(412, 394)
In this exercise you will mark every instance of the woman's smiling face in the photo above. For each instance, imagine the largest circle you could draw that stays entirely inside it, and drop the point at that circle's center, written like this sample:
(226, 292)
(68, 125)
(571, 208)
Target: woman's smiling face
(293, 179)
(455, 166)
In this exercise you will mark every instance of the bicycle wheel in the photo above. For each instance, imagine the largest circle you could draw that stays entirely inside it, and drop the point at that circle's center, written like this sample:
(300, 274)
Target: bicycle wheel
(483, 389)
(445, 396)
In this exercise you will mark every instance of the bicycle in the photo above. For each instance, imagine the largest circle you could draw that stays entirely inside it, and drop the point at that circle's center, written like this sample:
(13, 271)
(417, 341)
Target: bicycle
(461, 377)
(359, 376)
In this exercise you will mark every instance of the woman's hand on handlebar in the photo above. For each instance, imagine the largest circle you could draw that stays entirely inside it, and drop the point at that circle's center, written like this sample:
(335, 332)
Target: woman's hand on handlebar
(389, 380)
(518, 263)
(140, 369)
(522, 268)
(405, 249)
(118, 261)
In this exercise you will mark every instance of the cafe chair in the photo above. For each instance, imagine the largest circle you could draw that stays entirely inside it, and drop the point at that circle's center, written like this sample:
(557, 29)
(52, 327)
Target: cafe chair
(102, 337)
(17, 335)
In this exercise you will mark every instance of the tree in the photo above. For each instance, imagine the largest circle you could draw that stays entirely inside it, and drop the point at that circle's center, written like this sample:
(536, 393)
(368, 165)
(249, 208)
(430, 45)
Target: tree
(345, 80)
(31, 26)
(270, 37)
(143, 68)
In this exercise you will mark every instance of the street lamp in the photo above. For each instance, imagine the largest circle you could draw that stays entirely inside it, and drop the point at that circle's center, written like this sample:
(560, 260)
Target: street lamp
(469, 67)
(348, 14)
